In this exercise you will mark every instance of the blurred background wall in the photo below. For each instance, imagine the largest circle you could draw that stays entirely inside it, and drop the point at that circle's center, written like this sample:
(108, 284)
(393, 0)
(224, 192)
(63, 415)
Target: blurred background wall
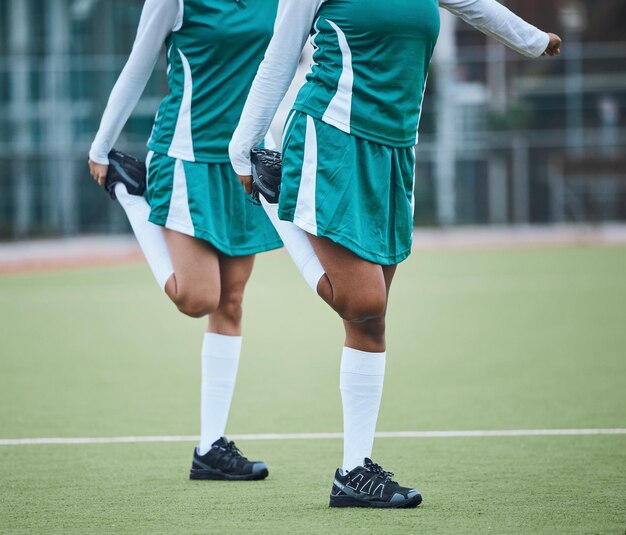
(504, 139)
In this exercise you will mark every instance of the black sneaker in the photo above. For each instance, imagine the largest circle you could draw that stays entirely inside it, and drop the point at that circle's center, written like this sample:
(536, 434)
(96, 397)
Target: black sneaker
(127, 170)
(266, 174)
(225, 461)
(370, 486)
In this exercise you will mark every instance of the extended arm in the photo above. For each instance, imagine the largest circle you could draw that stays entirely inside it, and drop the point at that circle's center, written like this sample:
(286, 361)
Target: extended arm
(158, 18)
(495, 20)
(275, 74)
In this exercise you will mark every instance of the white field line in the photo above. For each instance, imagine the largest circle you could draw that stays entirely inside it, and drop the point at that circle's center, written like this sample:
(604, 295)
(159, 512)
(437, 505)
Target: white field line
(317, 436)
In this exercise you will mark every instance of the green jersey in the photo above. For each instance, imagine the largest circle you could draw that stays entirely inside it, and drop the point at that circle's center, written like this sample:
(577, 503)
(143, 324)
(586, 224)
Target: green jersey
(370, 67)
(212, 57)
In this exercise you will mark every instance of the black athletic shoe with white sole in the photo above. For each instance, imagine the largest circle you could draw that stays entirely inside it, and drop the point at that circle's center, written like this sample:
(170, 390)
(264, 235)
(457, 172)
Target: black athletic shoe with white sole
(370, 486)
(224, 461)
(127, 170)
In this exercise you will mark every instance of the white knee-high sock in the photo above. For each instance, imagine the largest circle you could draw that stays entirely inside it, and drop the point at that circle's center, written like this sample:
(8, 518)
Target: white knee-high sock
(220, 360)
(298, 246)
(361, 384)
(149, 235)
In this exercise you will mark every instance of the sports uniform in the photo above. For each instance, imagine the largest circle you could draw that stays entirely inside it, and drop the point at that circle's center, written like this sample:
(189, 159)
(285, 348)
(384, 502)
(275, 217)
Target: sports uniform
(366, 83)
(348, 166)
(213, 50)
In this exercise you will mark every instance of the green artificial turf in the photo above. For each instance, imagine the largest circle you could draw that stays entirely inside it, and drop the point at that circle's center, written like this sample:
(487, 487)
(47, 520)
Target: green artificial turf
(529, 485)
(476, 340)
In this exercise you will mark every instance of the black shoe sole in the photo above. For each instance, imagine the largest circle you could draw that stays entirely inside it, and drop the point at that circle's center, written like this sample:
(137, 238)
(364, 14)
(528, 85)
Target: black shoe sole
(201, 474)
(347, 501)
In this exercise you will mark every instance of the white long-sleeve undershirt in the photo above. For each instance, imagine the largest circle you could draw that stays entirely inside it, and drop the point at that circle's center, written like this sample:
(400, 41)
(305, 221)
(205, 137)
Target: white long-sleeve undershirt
(292, 28)
(158, 19)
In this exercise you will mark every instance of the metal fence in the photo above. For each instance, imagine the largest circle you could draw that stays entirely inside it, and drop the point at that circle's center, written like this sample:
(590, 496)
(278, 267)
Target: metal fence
(503, 139)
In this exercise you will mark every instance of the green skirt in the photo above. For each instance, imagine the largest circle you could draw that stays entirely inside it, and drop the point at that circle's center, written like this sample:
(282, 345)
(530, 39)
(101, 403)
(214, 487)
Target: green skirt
(355, 192)
(206, 201)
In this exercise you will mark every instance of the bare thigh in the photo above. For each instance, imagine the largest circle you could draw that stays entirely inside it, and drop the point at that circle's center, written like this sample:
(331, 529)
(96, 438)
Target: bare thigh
(195, 285)
(235, 272)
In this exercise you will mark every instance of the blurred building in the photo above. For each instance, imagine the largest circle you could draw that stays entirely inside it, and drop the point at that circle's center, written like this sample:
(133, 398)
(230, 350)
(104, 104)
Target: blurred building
(59, 60)
(503, 139)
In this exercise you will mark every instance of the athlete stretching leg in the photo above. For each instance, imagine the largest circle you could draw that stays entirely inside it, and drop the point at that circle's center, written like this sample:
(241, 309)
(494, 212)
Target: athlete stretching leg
(198, 234)
(348, 177)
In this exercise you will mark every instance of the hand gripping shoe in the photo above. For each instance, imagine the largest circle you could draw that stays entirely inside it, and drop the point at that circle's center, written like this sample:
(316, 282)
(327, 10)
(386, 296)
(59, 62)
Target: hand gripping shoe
(266, 172)
(127, 170)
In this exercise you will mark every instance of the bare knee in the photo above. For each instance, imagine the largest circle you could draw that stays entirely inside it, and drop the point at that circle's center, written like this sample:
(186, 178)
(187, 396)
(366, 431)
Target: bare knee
(360, 308)
(196, 304)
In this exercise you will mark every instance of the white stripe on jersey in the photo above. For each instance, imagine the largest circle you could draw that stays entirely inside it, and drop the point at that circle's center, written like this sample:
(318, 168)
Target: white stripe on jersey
(305, 215)
(413, 186)
(148, 162)
(315, 47)
(169, 62)
(179, 216)
(182, 141)
(340, 108)
(288, 122)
